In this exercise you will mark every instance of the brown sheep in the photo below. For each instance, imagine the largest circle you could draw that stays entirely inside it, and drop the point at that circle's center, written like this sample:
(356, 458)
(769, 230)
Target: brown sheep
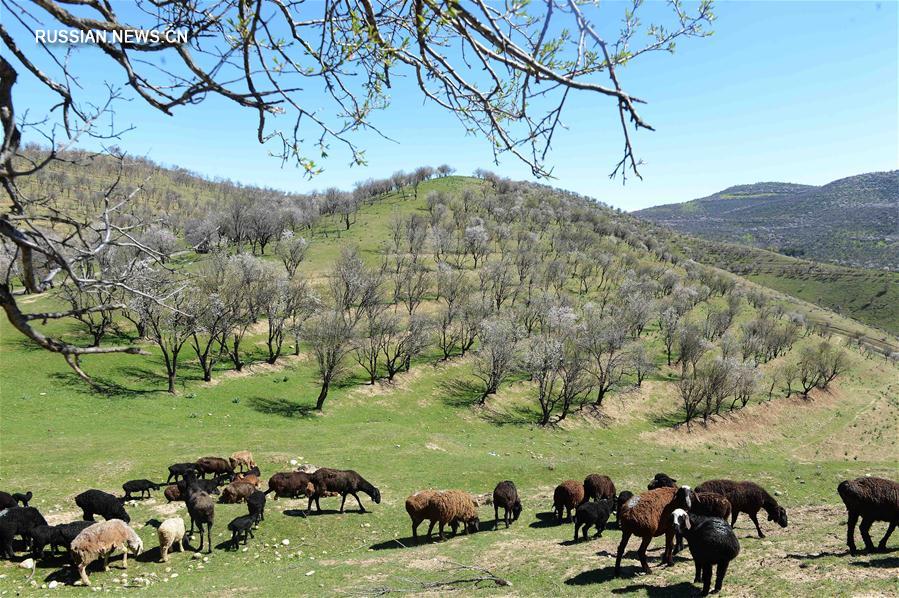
(239, 459)
(650, 515)
(749, 498)
(598, 487)
(214, 465)
(101, 540)
(251, 477)
(236, 492)
(567, 496)
(290, 484)
(173, 493)
(872, 499)
(449, 507)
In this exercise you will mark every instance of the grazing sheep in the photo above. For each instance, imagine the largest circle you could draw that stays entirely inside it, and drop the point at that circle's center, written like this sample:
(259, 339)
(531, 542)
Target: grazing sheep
(252, 476)
(256, 505)
(505, 496)
(96, 502)
(449, 507)
(241, 527)
(201, 509)
(625, 496)
(173, 493)
(872, 499)
(142, 486)
(597, 487)
(7, 500)
(170, 533)
(24, 499)
(177, 470)
(101, 540)
(18, 521)
(661, 480)
(712, 543)
(749, 498)
(290, 484)
(241, 459)
(56, 536)
(343, 482)
(595, 514)
(215, 466)
(237, 492)
(566, 497)
(648, 516)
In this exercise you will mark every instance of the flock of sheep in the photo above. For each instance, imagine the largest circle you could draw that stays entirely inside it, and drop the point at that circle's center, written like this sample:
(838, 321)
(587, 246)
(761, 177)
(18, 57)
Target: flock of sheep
(698, 515)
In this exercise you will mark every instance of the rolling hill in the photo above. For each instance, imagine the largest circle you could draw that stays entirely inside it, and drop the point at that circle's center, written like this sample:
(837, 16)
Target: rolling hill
(852, 221)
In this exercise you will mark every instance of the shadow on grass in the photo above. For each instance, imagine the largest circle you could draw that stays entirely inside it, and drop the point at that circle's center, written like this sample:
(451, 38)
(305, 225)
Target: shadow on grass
(667, 419)
(517, 415)
(105, 387)
(816, 555)
(683, 588)
(398, 543)
(887, 562)
(460, 392)
(282, 407)
(547, 519)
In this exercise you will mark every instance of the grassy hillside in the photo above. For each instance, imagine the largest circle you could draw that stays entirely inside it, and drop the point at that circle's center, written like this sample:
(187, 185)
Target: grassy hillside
(852, 221)
(58, 437)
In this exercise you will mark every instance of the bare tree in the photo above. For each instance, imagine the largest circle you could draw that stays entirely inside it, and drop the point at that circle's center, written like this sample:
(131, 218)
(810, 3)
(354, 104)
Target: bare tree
(496, 353)
(168, 328)
(330, 336)
(291, 250)
(404, 343)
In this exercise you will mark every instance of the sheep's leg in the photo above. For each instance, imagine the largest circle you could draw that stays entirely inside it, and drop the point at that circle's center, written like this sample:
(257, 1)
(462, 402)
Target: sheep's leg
(850, 532)
(440, 532)
(496, 517)
(698, 577)
(83, 574)
(642, 554)
(755, 520)
(668, 555)
(359, 502)
(625, 536)
(164, 553)
(883, 543)
(200, 530)
(343, 502)
(181, 545)
(719, 576)
(431, 529)
(576, 530)
(508, 517)
(209, 537)
(865, 529)
(106, 560)
(733, 519)
(706, 578)
(415, 525)
(125, 558)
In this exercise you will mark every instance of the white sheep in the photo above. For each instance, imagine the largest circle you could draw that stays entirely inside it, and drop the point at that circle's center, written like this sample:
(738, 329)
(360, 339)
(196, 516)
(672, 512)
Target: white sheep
(170, 532)
(102, 539)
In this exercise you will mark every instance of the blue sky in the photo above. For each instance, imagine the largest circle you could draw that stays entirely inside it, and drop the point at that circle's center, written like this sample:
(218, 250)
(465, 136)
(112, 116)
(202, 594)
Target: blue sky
(804, 92)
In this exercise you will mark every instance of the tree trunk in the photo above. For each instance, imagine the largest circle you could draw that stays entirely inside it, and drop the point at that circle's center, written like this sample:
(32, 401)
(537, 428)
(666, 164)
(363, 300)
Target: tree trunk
(322, 395)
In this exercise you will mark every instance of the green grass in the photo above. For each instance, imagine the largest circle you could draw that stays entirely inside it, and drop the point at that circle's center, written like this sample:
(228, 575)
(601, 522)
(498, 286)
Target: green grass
(58, 438)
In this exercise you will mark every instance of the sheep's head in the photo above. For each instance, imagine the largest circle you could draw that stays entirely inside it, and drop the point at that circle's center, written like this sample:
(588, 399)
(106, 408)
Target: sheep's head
(684, 496)
(778, 515)
(473, 525)
(680, 521)
(375, 495)
(516, 510)
(661, 480)
(135, 545)
(153, 523)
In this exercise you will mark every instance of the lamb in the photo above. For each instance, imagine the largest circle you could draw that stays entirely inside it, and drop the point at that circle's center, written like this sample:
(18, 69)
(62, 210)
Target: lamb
(101, 540)
(24, 499)
(56, 536)
(712, 542)
(201, 509)
(7, 500)
(142, 486)
(343, 482)
(18, 521)
(96, 502)
(449, 507)
(648, 516)
(505, 496)
(177, 470)
(252, 476)
(170, 533)
(595, 514)
(241, 527)
(597, 487)
(214, 466)
(237, 492)
(661, 480)
(872, 499)
(566, 497)
(749, 498)
(256, 506)
(290, 484)
(241, 459)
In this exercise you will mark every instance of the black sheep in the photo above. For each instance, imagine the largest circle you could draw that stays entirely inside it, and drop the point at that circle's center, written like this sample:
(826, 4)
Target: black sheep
(712, 542)
(749, 498)
(96, 502)
(594, 514)
(7, 500)
(177, 470)
(18, 521)
(142, 486)
(872, 499)
(256, 506)
(208, 486)
(24, 499)
(505, 496)
(241, 527)
(201, 509)
(661, 480)
(56, 536)
(343, 482)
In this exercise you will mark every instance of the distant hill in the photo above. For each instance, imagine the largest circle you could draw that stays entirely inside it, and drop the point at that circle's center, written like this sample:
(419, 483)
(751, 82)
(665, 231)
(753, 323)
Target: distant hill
(852, 221)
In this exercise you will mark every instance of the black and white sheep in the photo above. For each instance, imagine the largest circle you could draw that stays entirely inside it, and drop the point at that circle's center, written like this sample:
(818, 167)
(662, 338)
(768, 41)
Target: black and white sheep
(505, 496)
(96, 502)
(592, 514)
(712, 543)
(648, 516)
(872, 499)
